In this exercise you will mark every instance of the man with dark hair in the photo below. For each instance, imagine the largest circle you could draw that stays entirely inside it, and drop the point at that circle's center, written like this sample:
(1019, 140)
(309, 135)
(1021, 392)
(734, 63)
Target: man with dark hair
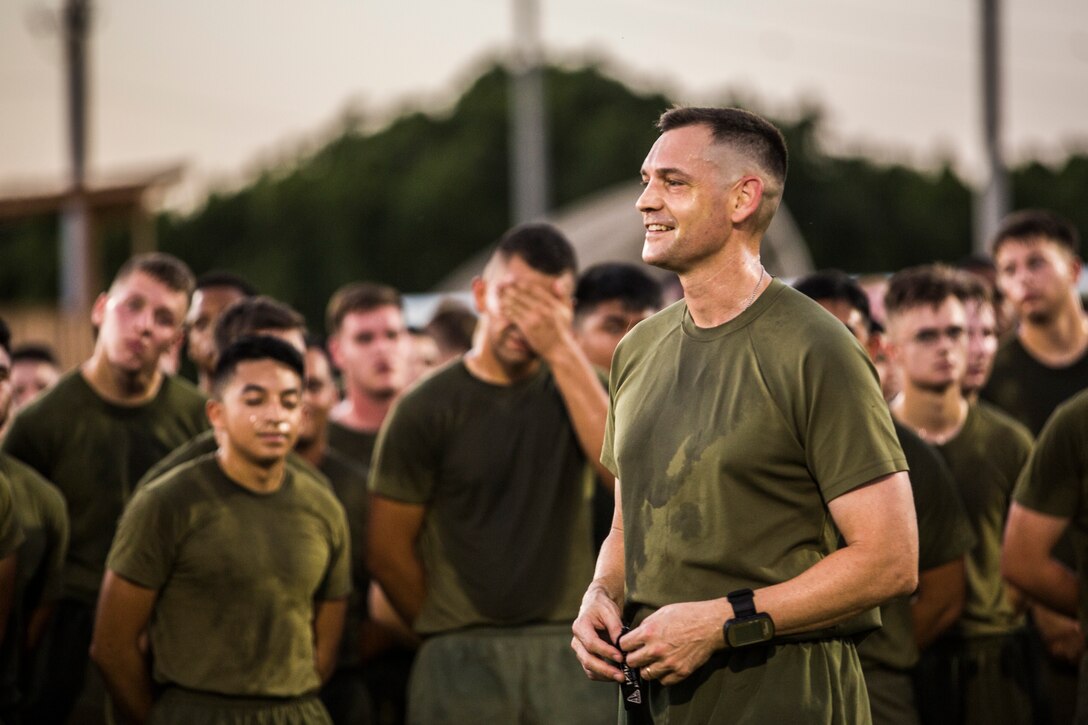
(237, 568)
(369, 344)
(94, 434)
(981, 333)
(479, 527)
(452, 327)
(981, 671)
(909, 623)
(744, 421)
(609, 300)
(1046, 362)
(215, 291)
(40, 513)
(34, 369)
(250, 316)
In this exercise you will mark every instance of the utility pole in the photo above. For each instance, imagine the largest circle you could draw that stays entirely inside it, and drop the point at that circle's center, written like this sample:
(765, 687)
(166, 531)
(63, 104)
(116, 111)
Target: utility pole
(993, 203)
(529, 178)
(75, 247)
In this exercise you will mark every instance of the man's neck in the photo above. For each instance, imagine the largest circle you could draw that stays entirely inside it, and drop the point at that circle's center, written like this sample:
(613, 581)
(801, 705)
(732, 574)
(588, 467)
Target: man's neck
(362, 412)
(121, 387)
(936, 417)
(482, 364)
(248, 474)
(1059, 341)
(313, 451)
(720, 289)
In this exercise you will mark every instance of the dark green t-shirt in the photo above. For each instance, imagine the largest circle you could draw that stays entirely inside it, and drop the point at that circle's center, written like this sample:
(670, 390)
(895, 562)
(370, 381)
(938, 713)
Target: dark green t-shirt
(1055, 481)
(1027, 389)
(11, 535)
(729, 442)
(358, 445)
(201, 445)
(237, 574)
(40, 512)
(985, 458)
(944, 534)
(348, 480)
(95, 452)
(506, 535)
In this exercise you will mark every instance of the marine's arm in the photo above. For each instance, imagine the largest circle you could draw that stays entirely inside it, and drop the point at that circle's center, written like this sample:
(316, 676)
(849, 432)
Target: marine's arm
(939, 600)
(328, 626)
(1026, 559)
(878, 562)
(124, 609)
(391, 553)
(600, 611)
(545, 320)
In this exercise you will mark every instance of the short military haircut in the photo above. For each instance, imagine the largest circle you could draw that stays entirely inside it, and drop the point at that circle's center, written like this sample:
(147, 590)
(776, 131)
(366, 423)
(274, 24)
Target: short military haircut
(1035, 223)
(836, 285)
(160, 266)
(452, 326)
(971, 288)
(541, 246)
(34, 352)
(252, 347)
(631, 286)
(358, 297)
(223, 278)
(5, 337)
(923, 286)
(250, 315)
(743, 130)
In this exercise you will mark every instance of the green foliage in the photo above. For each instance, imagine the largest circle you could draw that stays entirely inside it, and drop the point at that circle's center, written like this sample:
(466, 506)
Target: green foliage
(410, 202)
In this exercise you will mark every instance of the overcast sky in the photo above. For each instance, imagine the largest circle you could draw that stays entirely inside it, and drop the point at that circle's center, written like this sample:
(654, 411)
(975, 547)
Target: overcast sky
(226, 85)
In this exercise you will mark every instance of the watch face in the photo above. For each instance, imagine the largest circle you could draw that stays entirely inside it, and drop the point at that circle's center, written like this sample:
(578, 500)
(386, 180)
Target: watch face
(751, 631)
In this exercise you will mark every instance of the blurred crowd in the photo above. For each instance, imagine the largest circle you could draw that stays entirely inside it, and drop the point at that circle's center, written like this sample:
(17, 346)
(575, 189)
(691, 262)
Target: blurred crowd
(983, 367)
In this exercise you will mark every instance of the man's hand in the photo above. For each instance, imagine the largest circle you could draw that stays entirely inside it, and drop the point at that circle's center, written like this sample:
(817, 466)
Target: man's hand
(542, 314)
(1061, 634)
(599, 614)
(675, 640)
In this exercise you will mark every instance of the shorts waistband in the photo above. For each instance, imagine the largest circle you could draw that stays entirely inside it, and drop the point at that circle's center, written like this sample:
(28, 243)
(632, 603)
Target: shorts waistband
(221, 699)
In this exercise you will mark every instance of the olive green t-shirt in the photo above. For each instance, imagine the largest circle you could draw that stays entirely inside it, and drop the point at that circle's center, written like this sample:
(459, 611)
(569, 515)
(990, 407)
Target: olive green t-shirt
(348, 480)
(1027, 389)
(505, 538)
(39, 510)
(944, 534)
(730, 441)
(237, 574)
(11, 534)
(1055, 481)
(985, 458)
(204, 443)
(95, 452)
(358, 445)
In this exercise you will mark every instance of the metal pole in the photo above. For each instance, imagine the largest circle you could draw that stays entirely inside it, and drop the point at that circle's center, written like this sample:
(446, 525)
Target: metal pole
(993, 203)
(528, 136)
(75, 220)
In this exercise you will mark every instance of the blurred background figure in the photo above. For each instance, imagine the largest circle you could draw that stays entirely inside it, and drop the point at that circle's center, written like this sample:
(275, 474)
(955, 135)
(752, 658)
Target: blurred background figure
(215, 292)
(452, 327)
(609, 300)
(34, 369)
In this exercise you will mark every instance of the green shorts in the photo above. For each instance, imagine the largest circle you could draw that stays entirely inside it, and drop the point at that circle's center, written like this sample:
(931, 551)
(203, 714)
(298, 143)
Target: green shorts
(178, 706)
(513, 676)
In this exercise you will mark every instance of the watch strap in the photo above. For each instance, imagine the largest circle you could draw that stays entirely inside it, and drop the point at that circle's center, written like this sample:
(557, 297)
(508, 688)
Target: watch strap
(742, 602)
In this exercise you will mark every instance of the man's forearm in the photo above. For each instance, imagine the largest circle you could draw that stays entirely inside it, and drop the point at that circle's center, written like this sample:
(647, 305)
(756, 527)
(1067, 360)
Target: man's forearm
(1051, 583)
(125, 672)
(401, 577)
(609, 572)
(586, 401)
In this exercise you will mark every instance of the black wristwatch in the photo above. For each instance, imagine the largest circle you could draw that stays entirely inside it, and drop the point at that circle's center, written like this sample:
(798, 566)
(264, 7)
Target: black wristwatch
(747, 626)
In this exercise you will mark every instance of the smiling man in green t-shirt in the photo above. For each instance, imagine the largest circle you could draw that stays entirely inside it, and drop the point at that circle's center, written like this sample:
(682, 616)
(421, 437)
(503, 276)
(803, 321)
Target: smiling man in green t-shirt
(748, 430)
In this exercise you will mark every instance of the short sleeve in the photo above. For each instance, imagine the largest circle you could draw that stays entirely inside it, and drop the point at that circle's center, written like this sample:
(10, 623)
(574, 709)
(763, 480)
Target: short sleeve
(404, 468)
(944, 530)
(1055, 474)
(55, 516)
(337, 583)
(145, 546)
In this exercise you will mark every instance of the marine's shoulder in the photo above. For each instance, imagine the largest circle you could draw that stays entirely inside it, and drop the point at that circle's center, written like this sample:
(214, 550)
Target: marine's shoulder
(71, 390)
(181, 392)
(999, 423)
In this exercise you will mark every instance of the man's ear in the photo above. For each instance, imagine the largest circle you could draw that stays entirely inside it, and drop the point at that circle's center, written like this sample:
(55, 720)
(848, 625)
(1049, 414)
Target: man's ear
(479, 294)
(746, 198)
(213, 408)
(98, 310)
